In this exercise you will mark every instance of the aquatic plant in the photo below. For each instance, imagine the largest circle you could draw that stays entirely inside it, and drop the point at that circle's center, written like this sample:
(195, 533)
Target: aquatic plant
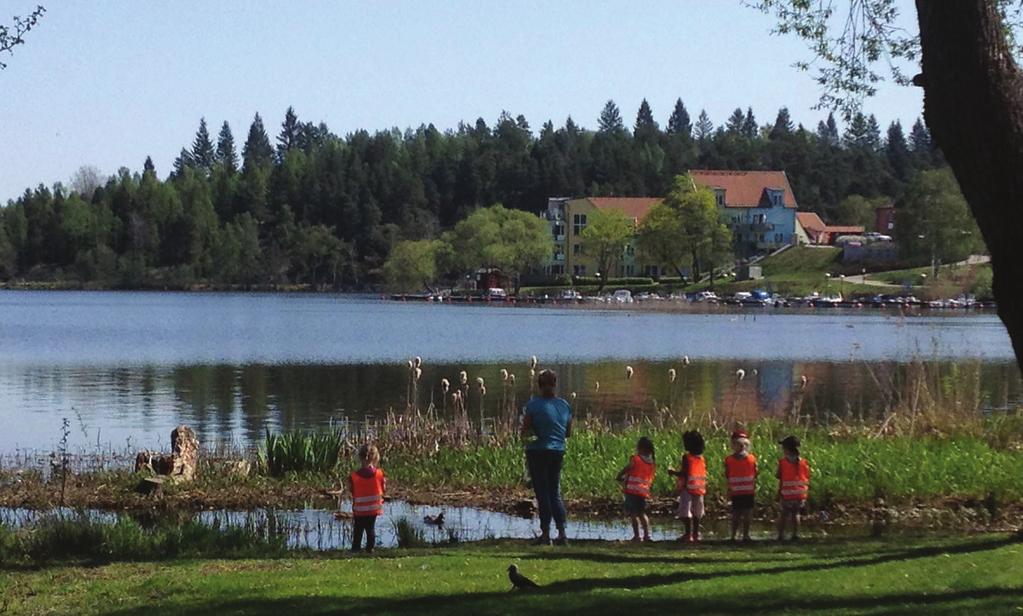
(300, 451)
(407, 534)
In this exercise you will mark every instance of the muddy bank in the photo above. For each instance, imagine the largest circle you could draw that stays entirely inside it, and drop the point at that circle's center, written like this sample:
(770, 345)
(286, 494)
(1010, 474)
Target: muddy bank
(116, 491)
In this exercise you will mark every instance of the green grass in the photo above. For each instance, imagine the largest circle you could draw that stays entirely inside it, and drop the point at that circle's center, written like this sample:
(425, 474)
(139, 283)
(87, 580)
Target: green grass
(852, 468)
(977, 575)
(300, 452)
(802, 260)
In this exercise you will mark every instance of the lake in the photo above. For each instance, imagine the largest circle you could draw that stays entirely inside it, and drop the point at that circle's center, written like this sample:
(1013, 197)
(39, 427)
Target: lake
(125, 368)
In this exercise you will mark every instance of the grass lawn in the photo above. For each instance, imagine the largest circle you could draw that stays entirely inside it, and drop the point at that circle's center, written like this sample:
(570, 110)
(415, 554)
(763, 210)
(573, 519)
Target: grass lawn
(976, 574)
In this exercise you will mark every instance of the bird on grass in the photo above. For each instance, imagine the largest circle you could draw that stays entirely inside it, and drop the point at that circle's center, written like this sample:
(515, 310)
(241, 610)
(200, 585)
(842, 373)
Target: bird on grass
(519, 581)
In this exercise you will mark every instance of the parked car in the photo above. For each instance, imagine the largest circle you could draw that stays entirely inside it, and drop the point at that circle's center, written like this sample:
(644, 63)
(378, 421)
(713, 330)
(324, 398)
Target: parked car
(570, 295)
(496, 294)
(706, 297)
(622, 296)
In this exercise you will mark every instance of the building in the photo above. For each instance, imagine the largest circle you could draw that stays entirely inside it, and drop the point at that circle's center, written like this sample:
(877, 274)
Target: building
(884, 219)
(568, 217)
(821, 234)
(759, 206)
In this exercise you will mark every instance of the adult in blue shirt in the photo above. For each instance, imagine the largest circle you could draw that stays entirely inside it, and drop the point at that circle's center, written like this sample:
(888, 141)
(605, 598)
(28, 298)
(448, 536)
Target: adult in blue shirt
(549, 419)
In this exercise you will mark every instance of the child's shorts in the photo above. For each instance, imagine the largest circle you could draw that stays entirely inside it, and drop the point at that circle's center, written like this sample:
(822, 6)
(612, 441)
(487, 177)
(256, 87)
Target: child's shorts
(690, 506)
(742, 503)
(634, 505)
(790, 506)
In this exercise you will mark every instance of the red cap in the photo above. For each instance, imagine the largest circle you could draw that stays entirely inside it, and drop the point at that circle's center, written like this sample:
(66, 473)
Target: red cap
(740, 434)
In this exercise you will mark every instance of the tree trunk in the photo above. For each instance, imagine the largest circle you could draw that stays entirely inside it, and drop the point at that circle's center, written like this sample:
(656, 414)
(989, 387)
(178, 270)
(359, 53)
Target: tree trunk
(973, 104)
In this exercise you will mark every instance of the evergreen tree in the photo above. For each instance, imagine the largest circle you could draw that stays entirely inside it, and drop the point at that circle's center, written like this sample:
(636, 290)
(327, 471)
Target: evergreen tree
(704, 127)
(257, 149)
(827, 131)
(734, 123)
(856, 134)
(646, 127)
(148, 166)
(873, 136)
(182, 162)
(920, 143)
(290, 133)
(749, 125)
(782, 124)
(610, 119)
(678, 123)
(226, 155)
(203, 153)
(897, 152)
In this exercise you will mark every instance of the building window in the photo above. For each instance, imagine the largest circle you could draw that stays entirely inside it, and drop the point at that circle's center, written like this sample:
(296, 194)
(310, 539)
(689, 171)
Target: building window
(760, 238)
(775, 197)
(719, 197)
(629, 270)
(577, 249)
(778, 238)
(558, 230)
(557, 270)
(578, 223)
(630, 250)
(579, 270)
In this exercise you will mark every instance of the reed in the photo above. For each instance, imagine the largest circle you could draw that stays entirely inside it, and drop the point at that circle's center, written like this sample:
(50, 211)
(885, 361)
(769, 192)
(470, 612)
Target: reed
(301, 451)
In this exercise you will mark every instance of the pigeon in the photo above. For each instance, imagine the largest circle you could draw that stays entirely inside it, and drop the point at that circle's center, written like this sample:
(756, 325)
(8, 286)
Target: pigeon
(434, 520)
(519, 581)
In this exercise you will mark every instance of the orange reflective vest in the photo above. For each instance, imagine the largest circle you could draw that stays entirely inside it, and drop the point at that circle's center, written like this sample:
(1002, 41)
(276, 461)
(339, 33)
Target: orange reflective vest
(368, 494)
(696, 475)
(640, 477)
(741, 474)
(795, 479)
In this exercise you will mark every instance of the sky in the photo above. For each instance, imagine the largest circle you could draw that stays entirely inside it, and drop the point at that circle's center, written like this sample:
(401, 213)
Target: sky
(108, 83)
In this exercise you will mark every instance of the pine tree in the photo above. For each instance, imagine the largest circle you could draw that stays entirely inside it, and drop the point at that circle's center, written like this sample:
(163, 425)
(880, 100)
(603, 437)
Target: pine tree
(897, 152)
(257, 149)
(226, 155)
(182, 162)
(203, 153)
(920, 143)
(148, 166)
(290, 133)
(645, 124)
(734, 123)
(827, 132)
(610, 119)
(873, 136)
(678, 123)
(704, 127)
(749, 125)
(855, 135)
(782, 124)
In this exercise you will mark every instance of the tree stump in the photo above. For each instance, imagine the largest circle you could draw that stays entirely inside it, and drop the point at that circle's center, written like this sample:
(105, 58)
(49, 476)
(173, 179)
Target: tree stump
(150, 486)
(181, 465)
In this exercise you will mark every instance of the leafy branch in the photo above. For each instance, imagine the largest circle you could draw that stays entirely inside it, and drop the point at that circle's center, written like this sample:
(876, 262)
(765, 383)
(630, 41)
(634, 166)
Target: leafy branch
(12, 36)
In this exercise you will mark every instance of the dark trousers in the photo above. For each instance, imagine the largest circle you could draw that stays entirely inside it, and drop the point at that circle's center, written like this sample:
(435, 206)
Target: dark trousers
(545, 473)
(364, 524)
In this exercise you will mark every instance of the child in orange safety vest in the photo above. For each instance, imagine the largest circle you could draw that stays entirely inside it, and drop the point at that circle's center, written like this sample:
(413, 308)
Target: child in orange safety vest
(691, 484)
(367, 487)
(741, 473)
(793, 486)
(636, 480)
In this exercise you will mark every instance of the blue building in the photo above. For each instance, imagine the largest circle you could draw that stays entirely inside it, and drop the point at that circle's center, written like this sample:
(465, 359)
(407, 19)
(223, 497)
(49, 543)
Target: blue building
(758, 206)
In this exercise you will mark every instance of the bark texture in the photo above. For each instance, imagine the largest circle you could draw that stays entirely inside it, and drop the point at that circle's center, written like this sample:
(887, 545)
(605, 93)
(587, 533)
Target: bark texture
(973, 104)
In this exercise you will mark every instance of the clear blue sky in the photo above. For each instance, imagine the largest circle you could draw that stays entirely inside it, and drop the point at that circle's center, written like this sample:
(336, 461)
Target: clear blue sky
(106, 83)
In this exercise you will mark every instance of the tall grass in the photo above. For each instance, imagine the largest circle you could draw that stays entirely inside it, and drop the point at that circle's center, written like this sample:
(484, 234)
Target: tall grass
(301, 452)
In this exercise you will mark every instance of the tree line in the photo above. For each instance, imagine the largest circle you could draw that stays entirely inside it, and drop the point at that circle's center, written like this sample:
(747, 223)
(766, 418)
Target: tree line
(312, 207)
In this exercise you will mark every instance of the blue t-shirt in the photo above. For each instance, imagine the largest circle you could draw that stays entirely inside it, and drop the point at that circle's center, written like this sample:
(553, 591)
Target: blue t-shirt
(549, 419)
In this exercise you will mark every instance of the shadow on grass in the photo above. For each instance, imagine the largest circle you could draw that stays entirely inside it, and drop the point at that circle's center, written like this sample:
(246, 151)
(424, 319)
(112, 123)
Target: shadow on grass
(574, 595)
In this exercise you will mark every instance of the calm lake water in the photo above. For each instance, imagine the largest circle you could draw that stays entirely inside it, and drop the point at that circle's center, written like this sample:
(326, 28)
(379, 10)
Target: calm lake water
(126, 366)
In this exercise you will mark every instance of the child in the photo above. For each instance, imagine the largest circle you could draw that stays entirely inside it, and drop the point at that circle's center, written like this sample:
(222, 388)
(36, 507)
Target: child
(793, 486)
(741, 472)
(638, 476)
(691, 484)
(367, 485)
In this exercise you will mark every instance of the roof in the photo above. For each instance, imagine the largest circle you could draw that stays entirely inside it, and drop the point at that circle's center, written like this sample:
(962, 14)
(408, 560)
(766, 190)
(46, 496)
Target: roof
(745, 188)
(633, 207)
(844, 229)
(810, 221)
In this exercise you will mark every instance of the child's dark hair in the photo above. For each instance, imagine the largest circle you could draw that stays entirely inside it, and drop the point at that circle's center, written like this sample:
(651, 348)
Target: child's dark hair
(645, 444)
(693, 442)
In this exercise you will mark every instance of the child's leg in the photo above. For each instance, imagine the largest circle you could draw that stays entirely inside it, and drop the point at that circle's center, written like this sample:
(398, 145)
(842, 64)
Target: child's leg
(635, 527)
(781, 521)
(697, 511)
(795, 523)
(685, 511)
(736, 516)
(646, 526)
(357, 534)
(371, 533)
(747, 516)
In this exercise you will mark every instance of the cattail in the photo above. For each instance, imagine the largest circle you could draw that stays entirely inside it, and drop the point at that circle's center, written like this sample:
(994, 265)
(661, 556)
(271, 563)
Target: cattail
(628, 372)
(533, 362)
(572, 396)
(596, 385)
(511, 379)
(740, 374)
(411, 365)
(504, 374)
(463, 377)
(479, 381)
(418, 373)
(685, 360)
(803, 381)
(483, 390)
(445, 385)
(671, 375)
(755, 372)
(532, 374)
(417, 361)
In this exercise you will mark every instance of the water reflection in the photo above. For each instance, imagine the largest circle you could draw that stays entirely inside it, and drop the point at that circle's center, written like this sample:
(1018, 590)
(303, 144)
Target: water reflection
(236, 403)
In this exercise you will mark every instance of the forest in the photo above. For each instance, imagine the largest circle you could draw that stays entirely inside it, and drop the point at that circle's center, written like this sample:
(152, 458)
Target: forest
(310, 207)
